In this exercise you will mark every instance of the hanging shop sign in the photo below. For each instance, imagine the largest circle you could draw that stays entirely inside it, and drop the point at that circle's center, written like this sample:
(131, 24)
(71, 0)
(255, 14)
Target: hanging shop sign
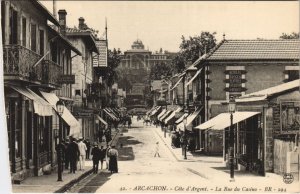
(66, 79)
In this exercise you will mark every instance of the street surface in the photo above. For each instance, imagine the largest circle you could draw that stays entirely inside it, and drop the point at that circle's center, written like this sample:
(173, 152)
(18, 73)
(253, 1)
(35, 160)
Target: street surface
(140, 171)
(139, 167)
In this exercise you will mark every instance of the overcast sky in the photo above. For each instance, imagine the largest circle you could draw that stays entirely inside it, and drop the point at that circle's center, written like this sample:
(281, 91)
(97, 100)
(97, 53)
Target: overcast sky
(161, 24)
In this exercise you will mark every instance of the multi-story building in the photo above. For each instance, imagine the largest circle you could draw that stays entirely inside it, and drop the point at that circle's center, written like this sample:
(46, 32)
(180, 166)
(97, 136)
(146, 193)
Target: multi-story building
(84, 39)
(237, 68)
(36, 56)
(135, 65)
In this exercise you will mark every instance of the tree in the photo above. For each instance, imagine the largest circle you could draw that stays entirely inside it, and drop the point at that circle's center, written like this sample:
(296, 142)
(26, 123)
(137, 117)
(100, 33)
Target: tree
(192, 48)
(293, 35)
(160, 70)
(113, 59)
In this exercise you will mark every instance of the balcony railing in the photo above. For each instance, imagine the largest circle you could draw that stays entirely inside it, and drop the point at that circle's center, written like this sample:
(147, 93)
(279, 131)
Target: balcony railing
(18, 61)
(51, 72)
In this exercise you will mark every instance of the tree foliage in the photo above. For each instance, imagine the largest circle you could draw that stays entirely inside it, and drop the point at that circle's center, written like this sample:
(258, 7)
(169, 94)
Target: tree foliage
(293, 35)
(113, 59)
(192, 48)
(160, 70)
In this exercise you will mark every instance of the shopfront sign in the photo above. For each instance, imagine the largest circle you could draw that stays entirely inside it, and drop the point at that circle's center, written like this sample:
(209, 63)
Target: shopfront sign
(66, 79)
(83, 113)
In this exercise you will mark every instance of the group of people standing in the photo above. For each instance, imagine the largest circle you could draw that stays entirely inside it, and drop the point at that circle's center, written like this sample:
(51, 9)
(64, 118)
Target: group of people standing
(77, 151)
(110, 154)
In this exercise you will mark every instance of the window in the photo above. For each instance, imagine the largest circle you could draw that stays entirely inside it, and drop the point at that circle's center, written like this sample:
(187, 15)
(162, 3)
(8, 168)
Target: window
(24, 32)
(13, 20)
(293, 75)
(77, 93)
(33, 37)
(43, 134)
(3, 21)
(42, 42)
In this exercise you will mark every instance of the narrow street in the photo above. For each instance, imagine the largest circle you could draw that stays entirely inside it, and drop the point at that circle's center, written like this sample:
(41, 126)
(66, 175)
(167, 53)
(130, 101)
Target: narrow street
(138, 169)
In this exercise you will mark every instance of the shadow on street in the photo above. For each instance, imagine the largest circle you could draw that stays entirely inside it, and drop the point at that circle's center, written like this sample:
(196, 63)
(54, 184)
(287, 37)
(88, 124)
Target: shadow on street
(94, 184)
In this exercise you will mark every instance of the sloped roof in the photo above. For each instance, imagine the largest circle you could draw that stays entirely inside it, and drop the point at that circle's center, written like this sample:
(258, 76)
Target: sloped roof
(255, 49)
(65, 40)
(84, 33)
(264, 94)
(45, 11)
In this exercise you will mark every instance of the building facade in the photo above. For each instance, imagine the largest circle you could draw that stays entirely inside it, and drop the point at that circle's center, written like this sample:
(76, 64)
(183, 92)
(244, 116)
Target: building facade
(36, 56)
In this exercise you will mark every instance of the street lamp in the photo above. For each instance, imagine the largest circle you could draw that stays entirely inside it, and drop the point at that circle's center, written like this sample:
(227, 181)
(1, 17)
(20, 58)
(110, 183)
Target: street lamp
(231, 109)
(184, 136)
(60, 110)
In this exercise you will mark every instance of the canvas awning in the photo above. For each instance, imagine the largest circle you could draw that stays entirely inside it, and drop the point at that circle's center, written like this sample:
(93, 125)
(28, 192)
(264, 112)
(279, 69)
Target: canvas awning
(102, 120)
(172, 115)
(161, 114)
(222, 120)
(189, 119)
(193, 78)
(155, 111)
(66, 116)
(41, 107)
(181, 118)
(165, 115)
(176, 84)
(110, 114)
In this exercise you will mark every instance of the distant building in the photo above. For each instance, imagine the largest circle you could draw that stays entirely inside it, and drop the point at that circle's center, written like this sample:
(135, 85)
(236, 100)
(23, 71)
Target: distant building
(136, 64)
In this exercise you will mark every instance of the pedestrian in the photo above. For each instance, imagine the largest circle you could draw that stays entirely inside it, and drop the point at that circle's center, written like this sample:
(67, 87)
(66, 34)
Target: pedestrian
(107, 157)
(113, 160)
(129, 122)
(73, 151)
(102, 155)
(82, 149)
(157, 149)
(95, 153)
(88, 147)
(67, 157)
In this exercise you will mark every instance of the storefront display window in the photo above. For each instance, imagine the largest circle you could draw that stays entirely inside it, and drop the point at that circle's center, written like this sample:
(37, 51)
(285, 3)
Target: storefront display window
(290, 115)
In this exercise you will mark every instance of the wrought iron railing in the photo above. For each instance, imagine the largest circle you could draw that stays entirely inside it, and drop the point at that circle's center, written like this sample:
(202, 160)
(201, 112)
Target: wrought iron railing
(51, 72)
(19, 61)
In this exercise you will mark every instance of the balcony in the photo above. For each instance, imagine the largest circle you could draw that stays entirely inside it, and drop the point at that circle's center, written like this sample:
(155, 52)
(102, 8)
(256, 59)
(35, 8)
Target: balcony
(19, 61)
(51, 72)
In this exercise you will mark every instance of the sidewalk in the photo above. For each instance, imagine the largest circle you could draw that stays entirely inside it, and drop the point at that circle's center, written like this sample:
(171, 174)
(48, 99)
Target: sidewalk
(49, 183)
(213, 168)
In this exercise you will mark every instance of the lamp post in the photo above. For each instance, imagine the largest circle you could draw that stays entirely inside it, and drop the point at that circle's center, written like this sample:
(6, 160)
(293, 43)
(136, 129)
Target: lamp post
(231, 109)
(184, 136)
(60, 110)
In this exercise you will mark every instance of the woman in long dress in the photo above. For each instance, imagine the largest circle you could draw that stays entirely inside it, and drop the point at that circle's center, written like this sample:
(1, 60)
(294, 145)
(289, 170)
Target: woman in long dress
(113, 160)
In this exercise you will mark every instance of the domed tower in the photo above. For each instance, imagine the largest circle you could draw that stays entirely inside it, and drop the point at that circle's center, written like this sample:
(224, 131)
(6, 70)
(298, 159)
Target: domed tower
(138, 44)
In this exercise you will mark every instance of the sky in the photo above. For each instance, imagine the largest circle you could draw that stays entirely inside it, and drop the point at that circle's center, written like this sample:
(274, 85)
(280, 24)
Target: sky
(160, 24)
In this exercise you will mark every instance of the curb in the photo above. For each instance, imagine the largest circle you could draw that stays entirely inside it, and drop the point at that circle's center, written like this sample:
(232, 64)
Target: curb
(73, 182)
(84, 175)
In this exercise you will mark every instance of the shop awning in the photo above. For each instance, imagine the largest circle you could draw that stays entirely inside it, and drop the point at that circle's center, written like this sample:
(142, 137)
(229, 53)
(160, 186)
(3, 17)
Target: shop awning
(176, 84)
(155, 111)
(66, 116)
(193, 78)
(222, 120)
(102, 120)
(41, 107)
(161, 114)
(189, 119)
(181, 118)
(110, 114)
(165, 115)
(172, 115)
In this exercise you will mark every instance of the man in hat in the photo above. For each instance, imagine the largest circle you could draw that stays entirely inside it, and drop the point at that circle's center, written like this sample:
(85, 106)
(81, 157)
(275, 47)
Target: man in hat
(96, 156)
(102, 155)
(73, 152)
(82, 149)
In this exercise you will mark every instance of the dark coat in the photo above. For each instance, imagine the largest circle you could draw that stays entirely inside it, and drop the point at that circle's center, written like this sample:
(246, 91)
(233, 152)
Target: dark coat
(73, 151)
(102, 154)
(96, 154)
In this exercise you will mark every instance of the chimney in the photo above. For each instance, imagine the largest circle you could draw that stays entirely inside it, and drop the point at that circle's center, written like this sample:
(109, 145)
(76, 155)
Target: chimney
(62, 21)
(81, 24)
